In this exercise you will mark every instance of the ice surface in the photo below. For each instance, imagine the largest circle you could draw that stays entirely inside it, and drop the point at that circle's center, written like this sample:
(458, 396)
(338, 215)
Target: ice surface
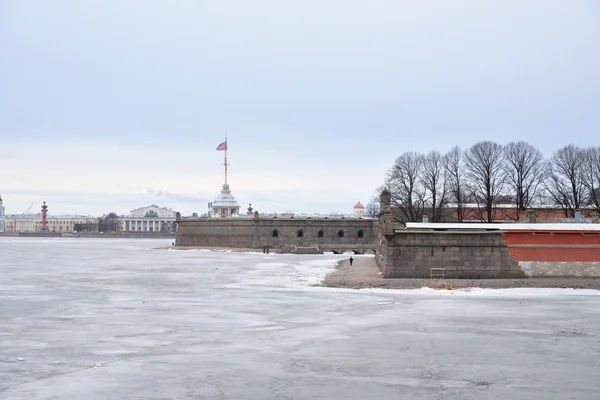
(120, 319)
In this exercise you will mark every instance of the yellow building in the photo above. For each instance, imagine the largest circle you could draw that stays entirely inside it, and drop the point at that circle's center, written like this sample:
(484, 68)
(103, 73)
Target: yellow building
(54, 223)
(67, 223)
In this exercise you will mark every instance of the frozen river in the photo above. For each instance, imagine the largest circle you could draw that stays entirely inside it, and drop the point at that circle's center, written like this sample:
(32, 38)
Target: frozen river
(120, 319)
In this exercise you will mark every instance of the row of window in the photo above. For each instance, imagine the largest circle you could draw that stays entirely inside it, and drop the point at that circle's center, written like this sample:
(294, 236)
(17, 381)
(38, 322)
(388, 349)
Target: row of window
(341, 233)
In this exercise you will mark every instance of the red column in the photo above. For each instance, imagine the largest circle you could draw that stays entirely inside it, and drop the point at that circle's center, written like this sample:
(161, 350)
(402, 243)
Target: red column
(44, 211)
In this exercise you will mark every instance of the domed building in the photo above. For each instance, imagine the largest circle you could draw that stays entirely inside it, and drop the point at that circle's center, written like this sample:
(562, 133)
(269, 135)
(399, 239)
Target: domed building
(359, 210)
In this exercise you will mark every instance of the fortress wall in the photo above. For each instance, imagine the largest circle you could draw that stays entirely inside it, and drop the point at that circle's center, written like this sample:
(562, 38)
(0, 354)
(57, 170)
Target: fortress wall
(492, 254)
(471, 255)
(552, 246)
(288, 231)
(556, 253)
(216, 232)
(258, 232)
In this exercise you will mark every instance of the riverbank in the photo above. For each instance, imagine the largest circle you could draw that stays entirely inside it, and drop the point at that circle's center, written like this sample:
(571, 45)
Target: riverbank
(364, 273)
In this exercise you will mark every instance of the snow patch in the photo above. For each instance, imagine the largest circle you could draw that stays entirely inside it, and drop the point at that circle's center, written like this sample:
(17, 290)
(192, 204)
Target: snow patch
(484, 292)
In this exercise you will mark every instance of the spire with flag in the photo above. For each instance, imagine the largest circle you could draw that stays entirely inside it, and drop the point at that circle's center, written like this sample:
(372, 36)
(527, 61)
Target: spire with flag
(223, 147)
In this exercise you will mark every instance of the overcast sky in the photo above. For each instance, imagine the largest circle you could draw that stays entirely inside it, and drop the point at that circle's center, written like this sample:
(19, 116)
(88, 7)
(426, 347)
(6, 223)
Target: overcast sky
(112, 105)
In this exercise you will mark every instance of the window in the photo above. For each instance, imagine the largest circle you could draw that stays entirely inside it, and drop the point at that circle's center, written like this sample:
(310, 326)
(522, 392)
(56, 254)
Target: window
(321, 233)
(275, 233)
(341, 233)
(300, 233)
(360, 234)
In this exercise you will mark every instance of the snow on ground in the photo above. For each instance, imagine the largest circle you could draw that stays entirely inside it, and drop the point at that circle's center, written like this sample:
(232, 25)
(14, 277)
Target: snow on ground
(121, 319)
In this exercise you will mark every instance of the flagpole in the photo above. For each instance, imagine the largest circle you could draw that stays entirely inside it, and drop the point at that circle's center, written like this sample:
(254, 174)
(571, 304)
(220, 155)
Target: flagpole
(226, 159)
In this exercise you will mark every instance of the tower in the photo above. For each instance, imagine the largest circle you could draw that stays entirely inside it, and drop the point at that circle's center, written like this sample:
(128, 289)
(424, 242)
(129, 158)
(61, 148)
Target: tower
(225, 205)
(2, 227)
(44, 211)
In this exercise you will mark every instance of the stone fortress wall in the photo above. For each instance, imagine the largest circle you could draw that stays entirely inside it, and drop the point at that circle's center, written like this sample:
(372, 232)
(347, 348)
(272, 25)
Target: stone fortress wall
(276, 232)
(464, 255)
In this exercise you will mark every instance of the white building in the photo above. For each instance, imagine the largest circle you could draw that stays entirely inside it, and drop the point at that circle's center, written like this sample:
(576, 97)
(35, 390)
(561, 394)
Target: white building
(1, 214)
(225, 205)
(23, 223)
(150, 219)
(359, 210)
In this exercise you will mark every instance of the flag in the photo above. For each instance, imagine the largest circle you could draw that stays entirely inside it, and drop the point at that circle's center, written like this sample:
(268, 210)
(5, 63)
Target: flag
(222, 146)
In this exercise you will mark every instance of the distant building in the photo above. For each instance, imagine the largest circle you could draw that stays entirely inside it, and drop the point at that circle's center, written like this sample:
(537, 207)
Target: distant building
(359, 210)
(55, 223)
(1, 214)
(150, 219)
(69, 223)
(23, 223)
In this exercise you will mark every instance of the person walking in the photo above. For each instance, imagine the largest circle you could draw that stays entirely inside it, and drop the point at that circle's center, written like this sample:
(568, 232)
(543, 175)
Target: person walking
(351, 259)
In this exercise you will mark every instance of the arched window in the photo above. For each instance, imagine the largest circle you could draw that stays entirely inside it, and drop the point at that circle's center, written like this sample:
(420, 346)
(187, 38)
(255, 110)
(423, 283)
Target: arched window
(321, 233)
(300, 233)
(360, 234)
(341, 233)
(275, 233)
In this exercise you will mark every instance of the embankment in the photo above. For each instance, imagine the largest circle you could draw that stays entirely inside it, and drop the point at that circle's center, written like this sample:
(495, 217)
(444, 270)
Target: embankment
(364, 274)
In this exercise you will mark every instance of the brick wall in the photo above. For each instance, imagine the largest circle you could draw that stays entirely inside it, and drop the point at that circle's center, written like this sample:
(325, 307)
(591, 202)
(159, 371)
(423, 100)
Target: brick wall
(556, 253)
(554, 246)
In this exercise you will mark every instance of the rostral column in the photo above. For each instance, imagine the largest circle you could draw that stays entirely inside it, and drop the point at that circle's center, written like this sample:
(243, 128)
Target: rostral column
(44, 211)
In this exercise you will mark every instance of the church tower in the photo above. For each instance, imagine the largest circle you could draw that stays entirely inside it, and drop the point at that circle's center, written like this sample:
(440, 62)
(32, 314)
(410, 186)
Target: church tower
(1, 214)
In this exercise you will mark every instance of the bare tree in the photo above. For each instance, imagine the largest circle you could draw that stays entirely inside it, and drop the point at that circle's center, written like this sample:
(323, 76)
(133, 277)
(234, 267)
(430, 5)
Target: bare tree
(525, 173)
(592, 176)
(485, 171)
(455, 168)
(565, 183)
(435, 182)
(404, 181)
(372, 209)
(109, 223)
